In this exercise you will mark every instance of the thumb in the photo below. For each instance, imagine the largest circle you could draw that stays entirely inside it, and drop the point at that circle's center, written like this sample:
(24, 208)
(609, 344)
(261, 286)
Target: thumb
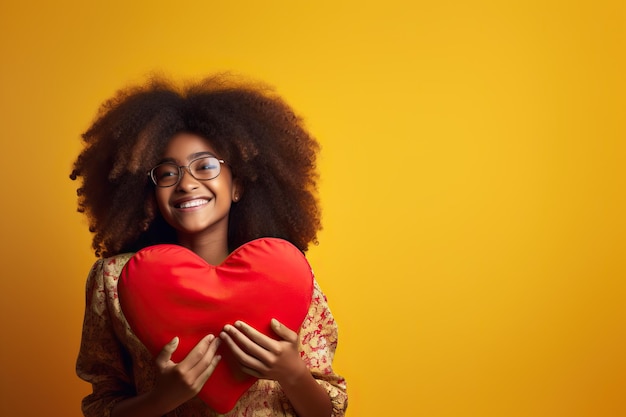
(166, 353)
(283, 331)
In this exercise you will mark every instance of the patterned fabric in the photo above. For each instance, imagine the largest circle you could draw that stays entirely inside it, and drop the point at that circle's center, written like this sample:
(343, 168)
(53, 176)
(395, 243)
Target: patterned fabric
(119, 366)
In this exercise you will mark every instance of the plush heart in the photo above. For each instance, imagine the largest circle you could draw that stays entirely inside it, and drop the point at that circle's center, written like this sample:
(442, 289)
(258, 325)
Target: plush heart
(168, 290)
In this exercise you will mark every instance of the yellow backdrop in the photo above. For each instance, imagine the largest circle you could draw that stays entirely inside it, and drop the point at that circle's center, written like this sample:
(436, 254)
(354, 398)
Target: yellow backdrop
(473, 186)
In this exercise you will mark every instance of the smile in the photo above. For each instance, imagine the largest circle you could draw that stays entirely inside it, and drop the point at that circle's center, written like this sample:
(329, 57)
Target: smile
(193, 203)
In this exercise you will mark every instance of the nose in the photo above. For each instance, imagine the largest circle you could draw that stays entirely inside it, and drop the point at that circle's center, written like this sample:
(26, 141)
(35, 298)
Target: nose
(187, 181)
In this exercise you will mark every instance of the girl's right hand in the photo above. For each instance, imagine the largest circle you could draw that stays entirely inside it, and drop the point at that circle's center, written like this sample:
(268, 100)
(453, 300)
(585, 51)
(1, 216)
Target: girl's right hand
(179, 382)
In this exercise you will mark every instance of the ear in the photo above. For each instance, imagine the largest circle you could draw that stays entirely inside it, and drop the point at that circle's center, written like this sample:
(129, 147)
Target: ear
(237, 190)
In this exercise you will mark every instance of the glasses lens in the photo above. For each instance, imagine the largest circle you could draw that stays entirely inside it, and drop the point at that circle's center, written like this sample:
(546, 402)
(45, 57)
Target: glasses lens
(165, 175)
(205, 168)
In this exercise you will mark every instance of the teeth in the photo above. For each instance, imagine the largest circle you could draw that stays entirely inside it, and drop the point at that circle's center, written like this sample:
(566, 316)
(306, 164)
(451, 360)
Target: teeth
(193, 203)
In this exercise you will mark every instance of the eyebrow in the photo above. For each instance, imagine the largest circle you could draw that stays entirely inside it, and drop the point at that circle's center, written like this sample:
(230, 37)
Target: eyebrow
(191, 157)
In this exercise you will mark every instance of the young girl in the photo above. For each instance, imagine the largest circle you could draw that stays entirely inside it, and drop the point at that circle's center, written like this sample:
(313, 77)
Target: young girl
(209, 166)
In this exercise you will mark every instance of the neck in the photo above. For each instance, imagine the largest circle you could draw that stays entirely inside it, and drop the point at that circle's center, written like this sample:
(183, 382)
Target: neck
(211, 249)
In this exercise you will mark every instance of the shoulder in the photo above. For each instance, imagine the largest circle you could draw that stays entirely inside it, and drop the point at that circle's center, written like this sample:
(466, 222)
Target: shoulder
(319, 317)
(103, 277)
(110, 267)
(318, 298)
(113, 266)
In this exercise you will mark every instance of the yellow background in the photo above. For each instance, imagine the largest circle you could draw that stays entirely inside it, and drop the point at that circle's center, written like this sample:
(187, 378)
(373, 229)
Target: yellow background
(473, 187)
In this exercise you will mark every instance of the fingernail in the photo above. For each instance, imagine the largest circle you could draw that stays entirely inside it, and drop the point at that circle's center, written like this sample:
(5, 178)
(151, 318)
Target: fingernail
(175, 340)
(210, 338)
(275, 323)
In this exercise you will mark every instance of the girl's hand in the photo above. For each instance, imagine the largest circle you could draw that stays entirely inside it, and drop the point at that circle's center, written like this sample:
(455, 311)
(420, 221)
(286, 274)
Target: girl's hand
(263, 357)
(179, 382)
(279, 360)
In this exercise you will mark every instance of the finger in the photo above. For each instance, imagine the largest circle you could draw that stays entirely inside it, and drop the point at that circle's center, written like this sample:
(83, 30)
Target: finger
(254, 335)
(245, 359)
(196, 355)
(165, 356)
(283, 331)
(252, 372)
(212, 360)
(215, 360)
(252, 341)
(207, 357)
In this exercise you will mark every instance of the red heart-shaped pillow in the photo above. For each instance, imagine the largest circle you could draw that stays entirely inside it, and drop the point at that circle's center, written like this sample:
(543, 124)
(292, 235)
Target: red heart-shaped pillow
(168, 290)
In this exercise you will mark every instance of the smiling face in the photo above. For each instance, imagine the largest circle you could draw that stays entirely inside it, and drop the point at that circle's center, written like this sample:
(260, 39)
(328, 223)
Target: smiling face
(197, 209)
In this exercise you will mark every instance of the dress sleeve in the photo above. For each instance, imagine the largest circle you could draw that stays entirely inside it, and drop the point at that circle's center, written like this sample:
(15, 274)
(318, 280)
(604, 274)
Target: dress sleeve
(318, 339)
(101, 359)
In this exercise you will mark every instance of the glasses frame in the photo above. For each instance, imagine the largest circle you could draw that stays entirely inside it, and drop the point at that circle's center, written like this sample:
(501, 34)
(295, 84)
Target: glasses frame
(181, 171)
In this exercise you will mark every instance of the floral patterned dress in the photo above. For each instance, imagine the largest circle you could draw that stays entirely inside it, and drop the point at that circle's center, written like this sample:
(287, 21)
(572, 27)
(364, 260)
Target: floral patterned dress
(119, 366)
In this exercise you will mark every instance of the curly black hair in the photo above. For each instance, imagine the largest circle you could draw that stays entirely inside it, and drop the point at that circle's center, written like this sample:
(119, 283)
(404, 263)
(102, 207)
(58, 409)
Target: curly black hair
(265, 143)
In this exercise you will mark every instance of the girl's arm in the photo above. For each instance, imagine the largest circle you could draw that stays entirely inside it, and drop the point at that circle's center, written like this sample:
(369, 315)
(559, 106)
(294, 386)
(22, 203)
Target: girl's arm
(315, 349)
(176, 384)
(279, 360)
(103, 362)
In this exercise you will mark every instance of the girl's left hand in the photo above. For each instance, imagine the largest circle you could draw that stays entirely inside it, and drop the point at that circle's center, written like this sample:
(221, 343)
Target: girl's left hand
(263, 357)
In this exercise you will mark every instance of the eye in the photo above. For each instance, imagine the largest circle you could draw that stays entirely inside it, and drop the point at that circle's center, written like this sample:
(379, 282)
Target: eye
(166, 171)
(206, 164)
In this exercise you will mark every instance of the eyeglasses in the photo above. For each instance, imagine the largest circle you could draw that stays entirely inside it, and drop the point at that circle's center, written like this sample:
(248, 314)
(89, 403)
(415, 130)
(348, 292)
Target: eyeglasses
(169, 174)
